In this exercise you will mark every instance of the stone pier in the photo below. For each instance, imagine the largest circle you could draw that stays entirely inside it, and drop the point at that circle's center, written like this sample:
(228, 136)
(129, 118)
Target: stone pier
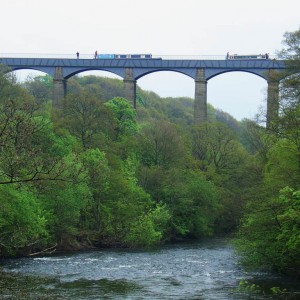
(272, 98)
(200, 103)
(59, 87)
(130, 86)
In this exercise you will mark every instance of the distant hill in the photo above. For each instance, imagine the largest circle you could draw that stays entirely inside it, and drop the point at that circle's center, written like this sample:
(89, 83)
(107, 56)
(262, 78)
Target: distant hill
(178, 110)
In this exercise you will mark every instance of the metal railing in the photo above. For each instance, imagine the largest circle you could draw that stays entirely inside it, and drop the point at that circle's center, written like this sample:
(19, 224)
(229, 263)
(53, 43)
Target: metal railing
(91, 56)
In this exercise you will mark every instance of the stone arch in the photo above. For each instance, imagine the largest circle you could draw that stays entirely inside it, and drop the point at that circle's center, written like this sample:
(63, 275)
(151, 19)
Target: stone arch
(23, 75)
(245, 92)
(260, 73)
(42, 70)
(167, 83)
(142, 73)
(70, 73)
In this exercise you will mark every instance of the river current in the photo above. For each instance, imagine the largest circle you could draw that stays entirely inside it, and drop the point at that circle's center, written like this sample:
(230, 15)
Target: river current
(203, 270)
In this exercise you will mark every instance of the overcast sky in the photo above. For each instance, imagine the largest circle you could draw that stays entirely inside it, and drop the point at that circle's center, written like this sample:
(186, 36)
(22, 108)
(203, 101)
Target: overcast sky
(160, 27)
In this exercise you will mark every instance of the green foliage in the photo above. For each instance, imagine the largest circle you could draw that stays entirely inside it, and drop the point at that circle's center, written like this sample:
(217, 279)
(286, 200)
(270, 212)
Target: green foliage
(22, 224)
(63, 203)
(253, 288)
(288, 122)
(289, 219)
(90, 175)
(282, 160)
(125, 116)
(244, 285)
(86, 118)
(161, 145)
(277, 290)
(270, 235)
(98, 178)
(215, 145)
(29, 149)
(193, 203)
(225, 162)
(123, 205)
(102, 87)
(256, 139)
(148, 229)
(40, 87)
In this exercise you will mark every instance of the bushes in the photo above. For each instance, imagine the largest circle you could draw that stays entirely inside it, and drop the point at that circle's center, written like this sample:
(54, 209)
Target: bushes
(269, 236)
(22, 224)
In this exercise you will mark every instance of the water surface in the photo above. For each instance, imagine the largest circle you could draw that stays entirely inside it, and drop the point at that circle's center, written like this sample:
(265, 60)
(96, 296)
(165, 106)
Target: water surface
(204, 270)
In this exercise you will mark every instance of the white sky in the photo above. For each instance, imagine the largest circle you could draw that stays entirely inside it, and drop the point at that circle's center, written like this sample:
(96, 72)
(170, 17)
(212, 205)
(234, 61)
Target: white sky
(161, 27)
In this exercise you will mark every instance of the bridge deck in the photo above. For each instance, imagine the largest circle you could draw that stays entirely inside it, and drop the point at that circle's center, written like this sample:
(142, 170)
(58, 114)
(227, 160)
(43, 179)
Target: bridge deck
(142, 67)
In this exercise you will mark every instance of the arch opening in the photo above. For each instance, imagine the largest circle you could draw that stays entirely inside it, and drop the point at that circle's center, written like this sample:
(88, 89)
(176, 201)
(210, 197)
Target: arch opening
(104, 84)
(168, 84)
(94, 72)
(261, 75)
(22, 75)
(239, 93)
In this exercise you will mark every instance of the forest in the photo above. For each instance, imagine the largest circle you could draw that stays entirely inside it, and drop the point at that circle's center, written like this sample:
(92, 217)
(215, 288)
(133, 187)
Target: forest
(98, 173)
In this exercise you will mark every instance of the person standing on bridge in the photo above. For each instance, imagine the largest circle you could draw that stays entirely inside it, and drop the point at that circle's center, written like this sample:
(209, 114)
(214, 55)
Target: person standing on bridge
(96, 53)
(77, 54)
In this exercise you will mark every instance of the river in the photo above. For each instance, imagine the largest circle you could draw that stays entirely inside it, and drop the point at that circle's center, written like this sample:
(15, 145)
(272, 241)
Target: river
(203, 270)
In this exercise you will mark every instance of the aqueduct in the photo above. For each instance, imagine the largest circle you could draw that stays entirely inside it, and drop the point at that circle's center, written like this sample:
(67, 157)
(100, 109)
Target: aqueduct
(133, 69)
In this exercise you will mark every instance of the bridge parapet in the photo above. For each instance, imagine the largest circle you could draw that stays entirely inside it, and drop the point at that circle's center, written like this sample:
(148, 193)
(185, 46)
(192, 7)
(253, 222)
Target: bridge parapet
(91, 56)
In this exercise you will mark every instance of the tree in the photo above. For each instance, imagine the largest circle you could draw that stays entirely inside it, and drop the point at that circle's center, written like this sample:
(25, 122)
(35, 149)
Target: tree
(288, 125)
(103, 87)
(124, 116)
(28, 147)
(269, 235)
(63, 202)
(215, 145)
(128, 215)
(40, 87)
(98, 170)
(282, 167)
(269, 232)
(161, 144)
(86, 118)
(193, 203)
(22, 223)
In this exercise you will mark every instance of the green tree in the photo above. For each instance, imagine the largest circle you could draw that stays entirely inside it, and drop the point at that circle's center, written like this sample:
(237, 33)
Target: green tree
(129, 216)
(28, 146)
(149, 229)
(269, 235)
(98, 170)
(288, 123)
(22, 223)
(282, 168)
(161, 145)
(40, 87)
(63, 202)
(193, 203)
(256, 139)
(86, 118)
(215, 145)
(103, 87)
(124, 116)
